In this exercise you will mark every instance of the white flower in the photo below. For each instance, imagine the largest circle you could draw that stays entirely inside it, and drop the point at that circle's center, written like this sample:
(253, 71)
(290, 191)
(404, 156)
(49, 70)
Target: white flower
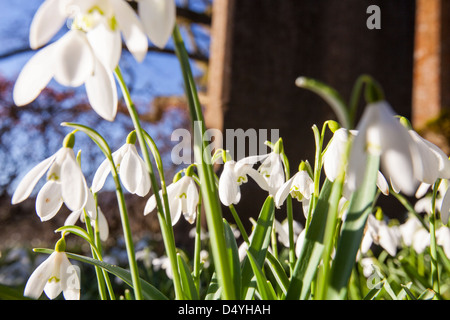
(53, 276)
(380, 133)
(299, 243)
(282, 229)
(71, 61)
(435, 163)
(87, 54)
(379, 232)
(131, 168)
(414, 234)
(300, 186)
(116, 15)
(158, 18)
(234, 174)
(183, 199)
(94, 214)
(272, 171)
(443, 239)
(65, 184)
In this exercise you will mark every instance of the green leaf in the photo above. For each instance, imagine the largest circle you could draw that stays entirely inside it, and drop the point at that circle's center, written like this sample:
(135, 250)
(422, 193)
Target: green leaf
(7, 293)
(264, 287)
(406, 289)
(352, 231)
(258, 246)
(214, 289)
(149, 291)
(233, 257)
(375, 291)
(278, 272)
(189, 288)
(313, 245)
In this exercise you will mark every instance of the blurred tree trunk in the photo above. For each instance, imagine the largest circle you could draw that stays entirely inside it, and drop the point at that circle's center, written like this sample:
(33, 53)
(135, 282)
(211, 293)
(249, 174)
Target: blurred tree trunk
(260, 47)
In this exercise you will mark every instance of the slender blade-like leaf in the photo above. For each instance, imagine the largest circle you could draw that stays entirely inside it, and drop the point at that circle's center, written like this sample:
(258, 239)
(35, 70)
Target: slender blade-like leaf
(189, 288)
(265, 291)
(258, 246)
(311, 254)
(352, 231)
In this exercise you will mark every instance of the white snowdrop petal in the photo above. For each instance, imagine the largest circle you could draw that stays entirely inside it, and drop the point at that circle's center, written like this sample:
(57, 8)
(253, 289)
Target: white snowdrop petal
(74, 59)
(38, 279)
(158, 18)
(132, 29)
(49, 200)
(73, 185)
(47, 21)
(30, 180)
(34, 76)
(102, 91)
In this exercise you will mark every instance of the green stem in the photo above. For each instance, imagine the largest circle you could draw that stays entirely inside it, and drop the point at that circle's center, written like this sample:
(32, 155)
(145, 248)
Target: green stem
(433, 245)
(213, 210)
(198, 248)
(239, 224)
(164, 219)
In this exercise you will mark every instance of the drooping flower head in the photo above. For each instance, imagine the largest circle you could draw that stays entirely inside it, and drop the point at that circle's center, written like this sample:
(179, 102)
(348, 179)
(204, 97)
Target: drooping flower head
(183, 199)
(87, 54)
(53, 276)
(380, 133)
(131, 168)
(65, 183)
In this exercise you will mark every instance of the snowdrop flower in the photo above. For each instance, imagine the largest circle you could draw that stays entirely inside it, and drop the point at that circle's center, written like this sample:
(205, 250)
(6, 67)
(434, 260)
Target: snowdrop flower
(158, 18)
(234, 174)
(381, 134)
(87, 54)
(65, 183)
(272, 171)
(183, 199)
(53, 276)
(282, 229)
(299, 243)
(335, 154)
(379, 232)
(300, 187)
(435, 163)
(94, 213)
(442, 201)
(130, 166)
(414, 234)
(115, 15)
(443, 239)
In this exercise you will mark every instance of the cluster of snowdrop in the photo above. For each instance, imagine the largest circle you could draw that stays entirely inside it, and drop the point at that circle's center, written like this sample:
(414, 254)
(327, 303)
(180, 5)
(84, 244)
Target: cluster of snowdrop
(89, 54)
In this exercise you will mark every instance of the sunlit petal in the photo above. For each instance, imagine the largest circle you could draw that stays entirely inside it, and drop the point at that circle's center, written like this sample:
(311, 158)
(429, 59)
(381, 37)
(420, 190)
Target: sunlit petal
(74, 60)
(30, 180)
(158, 18)
(132, 29)
(73, 185)
(49, 200)
(47, 21)
(34, 76)
(228, 186)
(102, 92)
(38, 279)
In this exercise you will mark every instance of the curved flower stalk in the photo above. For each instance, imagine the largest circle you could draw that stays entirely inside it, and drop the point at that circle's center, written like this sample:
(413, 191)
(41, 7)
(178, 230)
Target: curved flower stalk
(53, 276)
(65, 183)
(94, 213)
(183, 199)
(87, 54)
(130, 166)
(158, 18)
(380, 133)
